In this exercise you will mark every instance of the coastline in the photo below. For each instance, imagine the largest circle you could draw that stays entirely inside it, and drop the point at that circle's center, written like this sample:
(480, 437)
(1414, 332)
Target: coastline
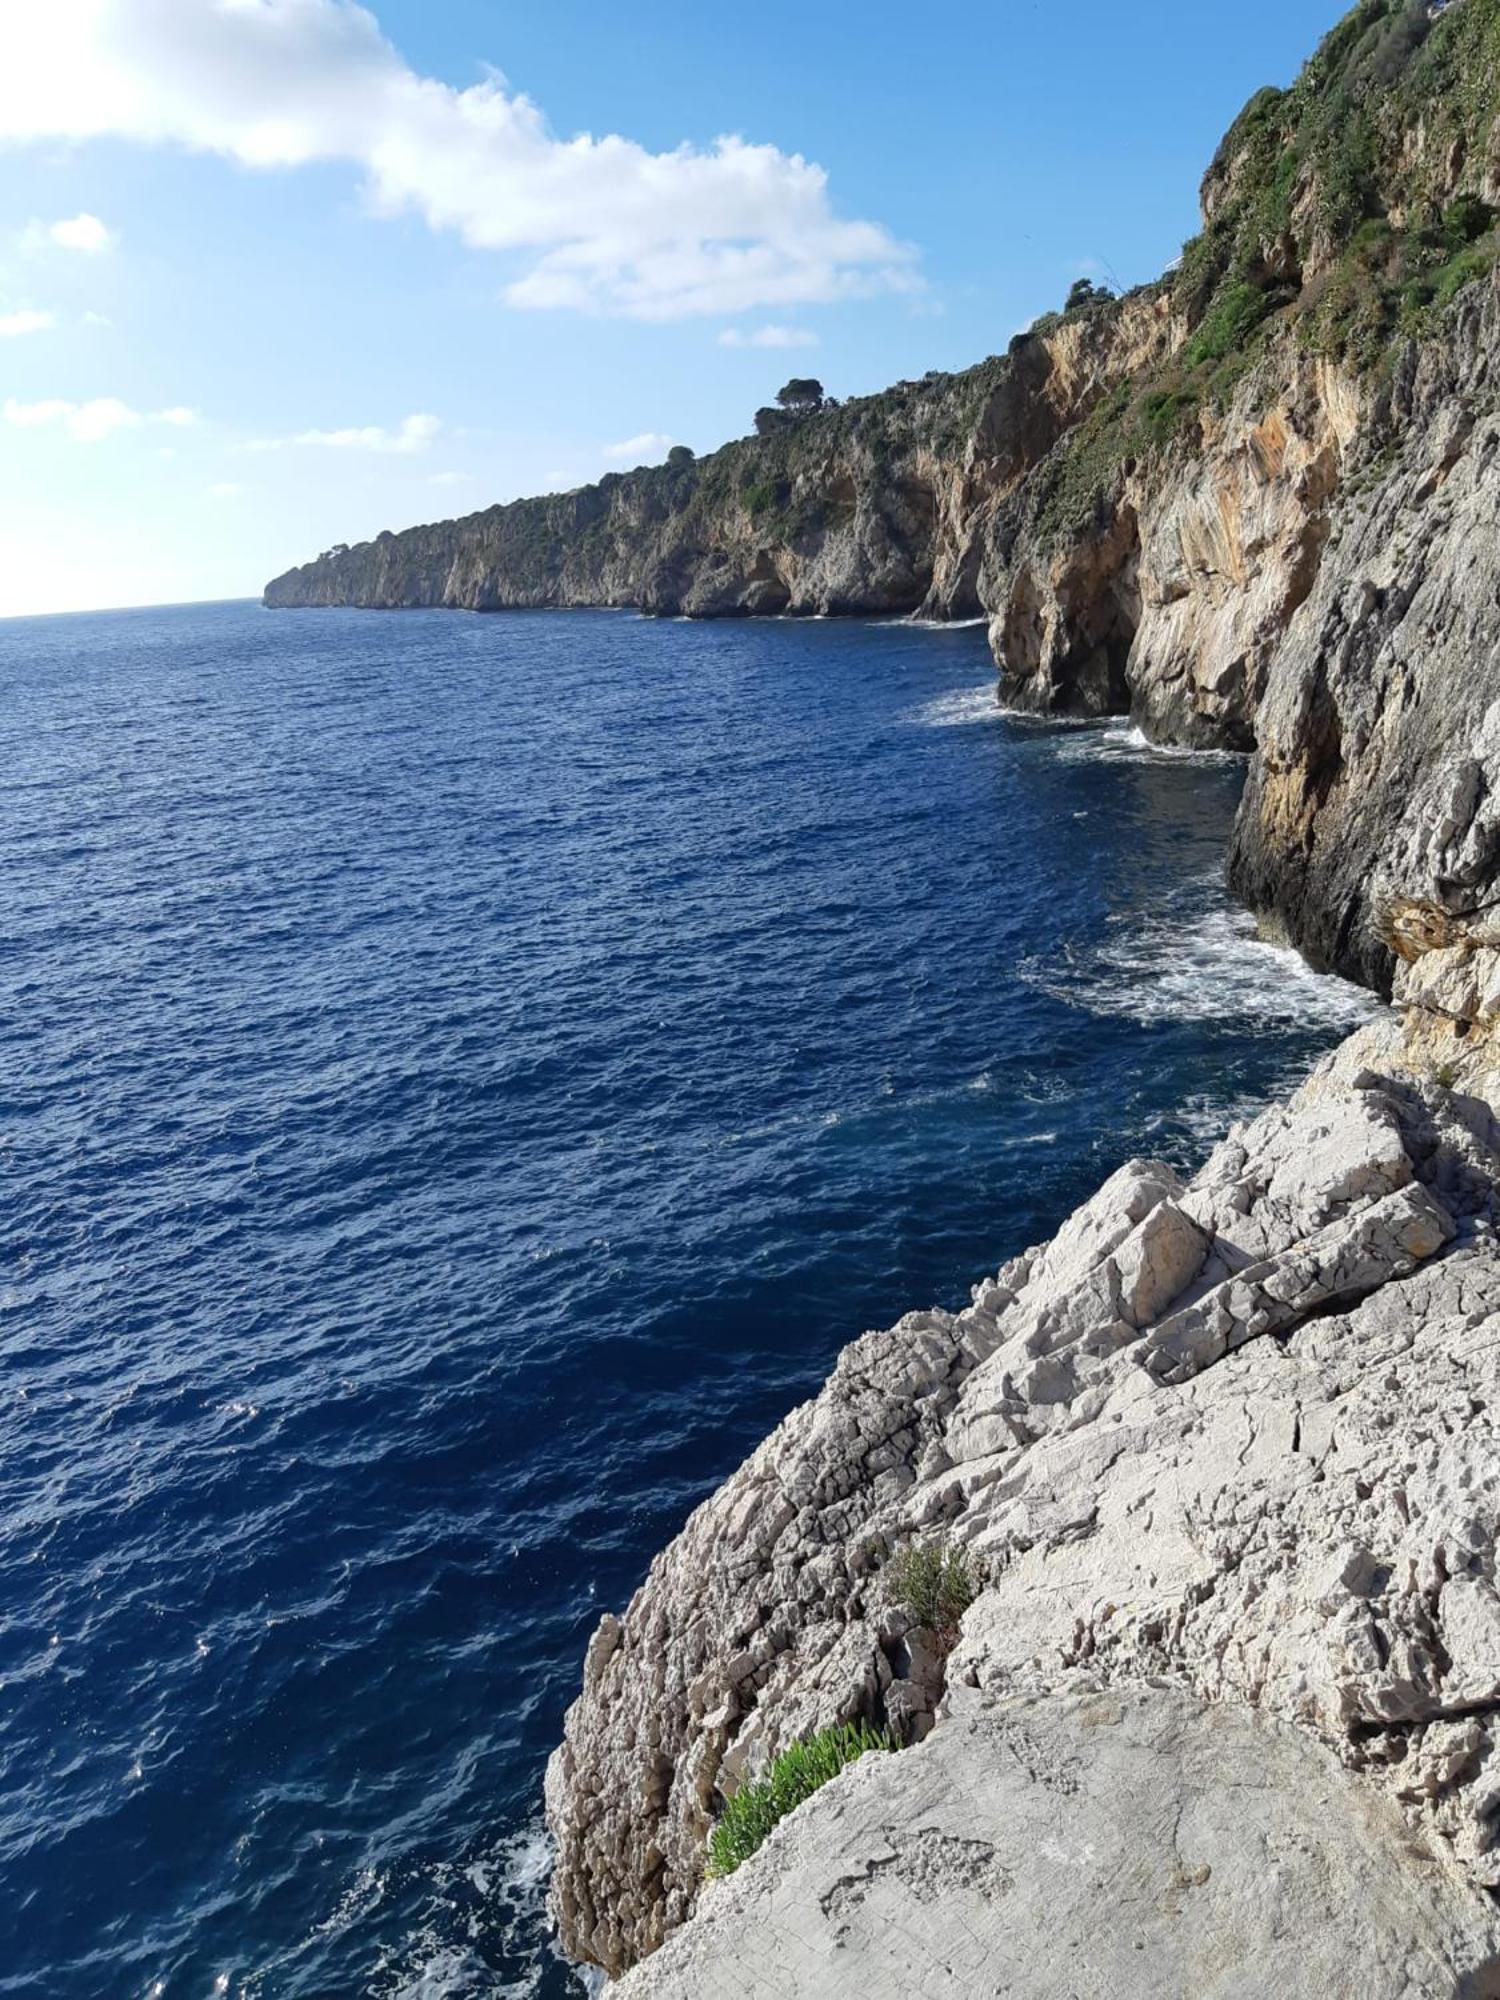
(1069, 1429)
(1222, 1447)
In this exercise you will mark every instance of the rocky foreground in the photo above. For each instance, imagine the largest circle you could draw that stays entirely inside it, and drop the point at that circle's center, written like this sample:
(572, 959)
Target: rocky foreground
(1224, 1718)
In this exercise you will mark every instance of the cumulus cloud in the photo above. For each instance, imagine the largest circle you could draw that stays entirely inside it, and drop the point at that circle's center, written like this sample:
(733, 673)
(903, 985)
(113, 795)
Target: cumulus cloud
(768, 336)
(639, 450)
(91, 422)
(415, 433)
(599, 223)
(224, 489)
(27, 320)
(85, 233)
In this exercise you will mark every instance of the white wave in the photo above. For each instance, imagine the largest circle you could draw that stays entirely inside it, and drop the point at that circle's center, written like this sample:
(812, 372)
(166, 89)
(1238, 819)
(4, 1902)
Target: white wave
(452, 1970)
(1046, 725)
(1122, 742)
(237, 1408)
(506, 1892)
(932, 624)
(1210, 968)
(960, 708)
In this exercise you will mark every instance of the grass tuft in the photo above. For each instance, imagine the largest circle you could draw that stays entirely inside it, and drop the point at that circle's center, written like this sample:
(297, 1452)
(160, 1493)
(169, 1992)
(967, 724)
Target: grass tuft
(757, 1807)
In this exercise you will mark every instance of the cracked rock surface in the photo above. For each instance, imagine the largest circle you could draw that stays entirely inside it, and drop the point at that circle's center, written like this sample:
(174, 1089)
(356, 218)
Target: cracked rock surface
(1087, 1845)
(1227, 1443)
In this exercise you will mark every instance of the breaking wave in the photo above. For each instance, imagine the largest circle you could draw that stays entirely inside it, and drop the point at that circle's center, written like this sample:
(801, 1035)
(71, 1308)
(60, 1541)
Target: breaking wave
(1161, 967)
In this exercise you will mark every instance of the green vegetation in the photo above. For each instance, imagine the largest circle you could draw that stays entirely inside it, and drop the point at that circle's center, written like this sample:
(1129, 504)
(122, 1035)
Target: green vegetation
(934, 1584)
(757, 1807)
(1347, 176)
(803, 396)
(1075, 478)
(764, 496)
(1348, 172)
(1086, 293)
(1237, 310)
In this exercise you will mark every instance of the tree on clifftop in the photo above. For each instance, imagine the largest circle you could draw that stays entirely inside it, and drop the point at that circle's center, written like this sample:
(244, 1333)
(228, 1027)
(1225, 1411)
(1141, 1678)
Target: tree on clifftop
(1087, 293)
(802, 396)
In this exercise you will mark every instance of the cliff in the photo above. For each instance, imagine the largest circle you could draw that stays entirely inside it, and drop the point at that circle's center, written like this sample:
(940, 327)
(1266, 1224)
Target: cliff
(1220, 1456)
(877, 505)
(1241, 504)
(1223, 1457)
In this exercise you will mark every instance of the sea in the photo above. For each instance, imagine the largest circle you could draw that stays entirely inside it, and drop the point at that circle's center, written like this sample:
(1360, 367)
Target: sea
(464, 1078)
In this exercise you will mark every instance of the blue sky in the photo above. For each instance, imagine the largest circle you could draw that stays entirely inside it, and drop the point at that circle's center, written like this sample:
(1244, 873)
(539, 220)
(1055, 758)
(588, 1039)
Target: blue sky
(278, 273)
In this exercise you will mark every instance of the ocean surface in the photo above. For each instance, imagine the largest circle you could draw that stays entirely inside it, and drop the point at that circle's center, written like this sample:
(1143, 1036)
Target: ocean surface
(464, 1079)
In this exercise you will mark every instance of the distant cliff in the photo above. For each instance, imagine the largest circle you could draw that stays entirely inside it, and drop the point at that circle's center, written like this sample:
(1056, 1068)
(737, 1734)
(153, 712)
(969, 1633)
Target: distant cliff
(1243, 504)
(878, 505)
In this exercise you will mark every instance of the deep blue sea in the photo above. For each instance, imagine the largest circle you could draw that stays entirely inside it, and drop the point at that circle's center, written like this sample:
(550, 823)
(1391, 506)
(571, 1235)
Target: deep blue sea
(464, 1079)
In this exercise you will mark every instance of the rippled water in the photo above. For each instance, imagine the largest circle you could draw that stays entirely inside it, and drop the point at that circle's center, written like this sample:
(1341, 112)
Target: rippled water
(464, 1080)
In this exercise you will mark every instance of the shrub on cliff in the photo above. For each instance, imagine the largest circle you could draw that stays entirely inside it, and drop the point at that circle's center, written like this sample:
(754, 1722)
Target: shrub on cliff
(757, 1807)
(1337, 198)
(934, 1584)
(1086, 293)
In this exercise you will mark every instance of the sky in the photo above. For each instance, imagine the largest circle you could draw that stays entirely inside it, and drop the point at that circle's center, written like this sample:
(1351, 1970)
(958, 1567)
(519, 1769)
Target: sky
(276, 274)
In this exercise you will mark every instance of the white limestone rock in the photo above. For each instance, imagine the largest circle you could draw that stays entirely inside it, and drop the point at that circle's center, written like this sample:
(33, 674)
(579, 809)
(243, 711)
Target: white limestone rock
(1233, 1437)
(1088, 1845)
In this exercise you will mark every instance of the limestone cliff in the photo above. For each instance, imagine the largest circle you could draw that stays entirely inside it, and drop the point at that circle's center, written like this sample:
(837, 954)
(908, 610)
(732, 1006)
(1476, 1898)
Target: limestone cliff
(1224, 1456)
(1224, 1716)
(1242, 504)
(878, 505)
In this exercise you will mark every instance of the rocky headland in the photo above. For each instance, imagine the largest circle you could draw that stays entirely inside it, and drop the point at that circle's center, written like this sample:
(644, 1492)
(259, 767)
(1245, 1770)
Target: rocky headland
(1223, 1716)
(1223, 1454)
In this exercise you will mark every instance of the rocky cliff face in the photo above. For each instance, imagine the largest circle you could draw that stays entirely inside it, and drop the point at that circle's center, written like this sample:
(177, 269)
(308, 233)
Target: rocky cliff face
(1242, 504)
(1176, 1848)
(1223, 1455)
(1379, 725)
(880, 505)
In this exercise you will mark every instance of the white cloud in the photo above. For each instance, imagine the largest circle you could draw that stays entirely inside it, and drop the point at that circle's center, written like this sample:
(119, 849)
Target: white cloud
(415, 433)
(97, 319)
(640, 450)
(84, 232)
(768, 336)
(87, 423)
(27, 320)
(450, 479)
(224, 489)
(179, 416)
(601, 223)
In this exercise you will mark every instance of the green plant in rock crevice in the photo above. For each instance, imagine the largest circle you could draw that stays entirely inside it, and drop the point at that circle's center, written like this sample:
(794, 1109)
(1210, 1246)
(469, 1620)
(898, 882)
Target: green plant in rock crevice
(751, 1814)
(934, 1583)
